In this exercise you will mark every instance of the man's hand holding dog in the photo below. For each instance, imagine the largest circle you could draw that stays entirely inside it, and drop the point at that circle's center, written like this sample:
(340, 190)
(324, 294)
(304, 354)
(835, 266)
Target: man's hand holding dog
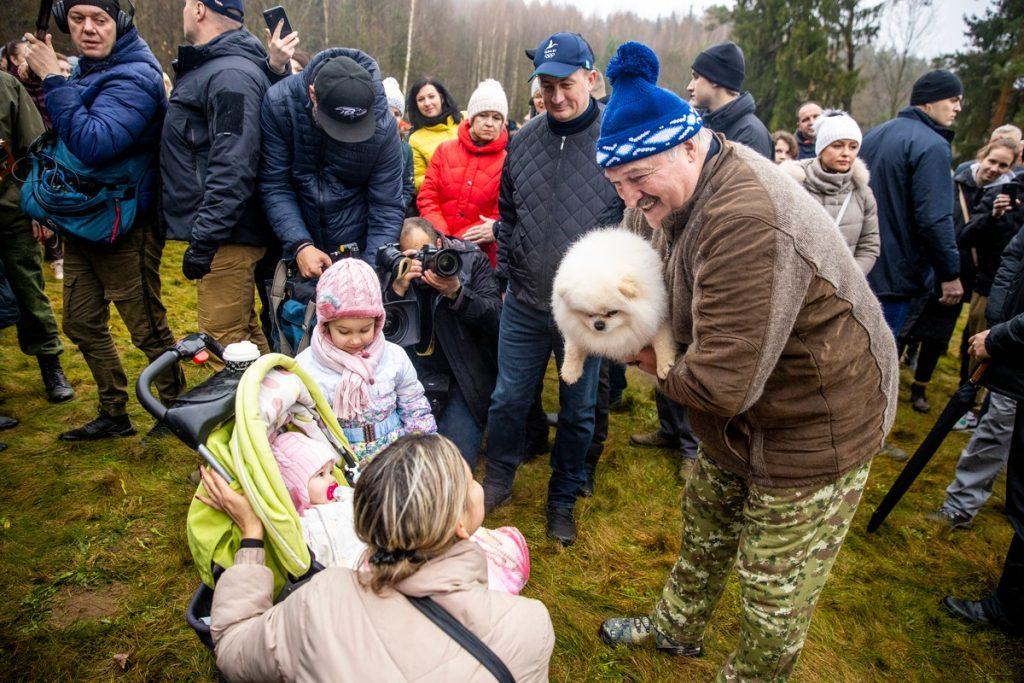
(645, 360)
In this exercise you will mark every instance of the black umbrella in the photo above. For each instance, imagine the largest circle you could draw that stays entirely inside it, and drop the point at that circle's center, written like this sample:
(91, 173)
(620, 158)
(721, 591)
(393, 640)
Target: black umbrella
(959, 403)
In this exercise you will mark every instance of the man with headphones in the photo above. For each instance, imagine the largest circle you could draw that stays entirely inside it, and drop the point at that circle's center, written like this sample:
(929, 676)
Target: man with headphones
(110, 111)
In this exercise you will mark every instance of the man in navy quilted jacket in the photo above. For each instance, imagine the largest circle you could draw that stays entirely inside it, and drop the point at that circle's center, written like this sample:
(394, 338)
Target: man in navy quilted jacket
(331, 170)
(110, 109)
(552, 191)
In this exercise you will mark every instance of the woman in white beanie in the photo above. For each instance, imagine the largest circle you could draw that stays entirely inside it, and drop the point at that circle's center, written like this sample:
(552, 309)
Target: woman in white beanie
(459, 194)
(839, 180)
(396, 102)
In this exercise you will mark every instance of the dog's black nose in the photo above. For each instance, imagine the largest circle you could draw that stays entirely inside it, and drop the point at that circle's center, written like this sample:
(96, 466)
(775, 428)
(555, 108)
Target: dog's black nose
(598, 325)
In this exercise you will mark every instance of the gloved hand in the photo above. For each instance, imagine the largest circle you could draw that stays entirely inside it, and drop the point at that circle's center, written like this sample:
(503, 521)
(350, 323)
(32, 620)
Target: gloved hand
(198, 260)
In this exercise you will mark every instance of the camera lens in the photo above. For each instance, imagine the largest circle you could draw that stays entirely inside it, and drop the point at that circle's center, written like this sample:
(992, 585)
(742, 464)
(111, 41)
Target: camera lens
(391, 327)
(448, 263)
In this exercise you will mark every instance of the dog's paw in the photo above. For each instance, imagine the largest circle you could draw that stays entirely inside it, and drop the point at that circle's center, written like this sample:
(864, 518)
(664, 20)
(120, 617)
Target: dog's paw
(664, 367)
(571, 373)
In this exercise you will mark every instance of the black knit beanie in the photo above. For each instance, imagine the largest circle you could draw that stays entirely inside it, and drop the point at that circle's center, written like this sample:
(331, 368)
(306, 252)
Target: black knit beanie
(934, 86)
(111, 7)
(722, 64)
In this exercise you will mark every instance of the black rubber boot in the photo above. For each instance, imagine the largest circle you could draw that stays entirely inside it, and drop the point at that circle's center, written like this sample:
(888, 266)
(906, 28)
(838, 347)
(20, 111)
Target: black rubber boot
(103, 427)
(58, 389)
(561, 525)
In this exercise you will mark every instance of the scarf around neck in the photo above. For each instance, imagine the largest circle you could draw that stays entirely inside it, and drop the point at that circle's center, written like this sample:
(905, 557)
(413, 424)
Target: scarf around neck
(355, 372)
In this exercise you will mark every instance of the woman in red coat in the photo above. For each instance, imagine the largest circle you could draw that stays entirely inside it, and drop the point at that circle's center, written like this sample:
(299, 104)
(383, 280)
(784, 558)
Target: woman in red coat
(459, 195)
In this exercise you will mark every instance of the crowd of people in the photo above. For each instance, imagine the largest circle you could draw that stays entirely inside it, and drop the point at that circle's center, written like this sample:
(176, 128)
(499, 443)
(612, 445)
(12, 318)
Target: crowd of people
(795, 288)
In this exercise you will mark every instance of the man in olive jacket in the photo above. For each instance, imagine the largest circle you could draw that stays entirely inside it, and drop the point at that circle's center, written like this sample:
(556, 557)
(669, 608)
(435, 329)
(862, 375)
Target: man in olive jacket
(789, 372)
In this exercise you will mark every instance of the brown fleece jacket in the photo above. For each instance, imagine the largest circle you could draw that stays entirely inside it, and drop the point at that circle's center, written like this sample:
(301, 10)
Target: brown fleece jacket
(790, 371)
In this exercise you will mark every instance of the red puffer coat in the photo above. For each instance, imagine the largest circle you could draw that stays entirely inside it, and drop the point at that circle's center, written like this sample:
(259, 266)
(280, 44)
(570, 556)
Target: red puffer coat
(461, 185)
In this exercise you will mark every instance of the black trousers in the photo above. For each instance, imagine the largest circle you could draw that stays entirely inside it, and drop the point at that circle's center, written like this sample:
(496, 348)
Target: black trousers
(1007, 602)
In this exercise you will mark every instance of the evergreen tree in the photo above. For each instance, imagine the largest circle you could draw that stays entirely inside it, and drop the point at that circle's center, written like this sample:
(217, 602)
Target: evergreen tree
(992, 71)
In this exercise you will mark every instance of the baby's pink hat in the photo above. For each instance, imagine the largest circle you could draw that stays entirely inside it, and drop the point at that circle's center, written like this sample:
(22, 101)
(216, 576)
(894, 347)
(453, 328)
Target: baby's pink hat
(299, 458)
(349, 289)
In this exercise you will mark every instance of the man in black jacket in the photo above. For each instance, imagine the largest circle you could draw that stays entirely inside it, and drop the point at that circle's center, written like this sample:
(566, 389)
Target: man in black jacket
(209, 159)
(1003, 344)
(457, 357)
(552, 192)
(716, 90)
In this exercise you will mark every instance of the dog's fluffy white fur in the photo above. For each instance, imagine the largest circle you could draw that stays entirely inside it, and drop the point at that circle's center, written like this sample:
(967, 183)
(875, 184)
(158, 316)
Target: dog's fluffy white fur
(609, 299)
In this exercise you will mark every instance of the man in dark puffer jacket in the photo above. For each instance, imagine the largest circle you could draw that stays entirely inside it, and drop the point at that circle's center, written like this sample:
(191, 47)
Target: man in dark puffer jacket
(552, 191)
(209, 159)
(1004, 345)
(111, 109)
(331, 175)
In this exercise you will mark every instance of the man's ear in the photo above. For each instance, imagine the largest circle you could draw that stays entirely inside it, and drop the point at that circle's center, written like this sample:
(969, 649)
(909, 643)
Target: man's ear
(628, 288)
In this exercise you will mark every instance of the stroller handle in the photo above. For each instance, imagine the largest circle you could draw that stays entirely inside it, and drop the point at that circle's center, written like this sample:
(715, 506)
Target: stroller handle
(187, 348)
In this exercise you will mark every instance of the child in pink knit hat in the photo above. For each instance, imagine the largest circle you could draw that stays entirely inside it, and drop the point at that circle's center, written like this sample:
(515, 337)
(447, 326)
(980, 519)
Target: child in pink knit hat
(369, 381)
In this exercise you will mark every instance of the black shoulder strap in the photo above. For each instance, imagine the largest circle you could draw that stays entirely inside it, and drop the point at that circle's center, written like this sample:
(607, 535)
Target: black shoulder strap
(464, 637)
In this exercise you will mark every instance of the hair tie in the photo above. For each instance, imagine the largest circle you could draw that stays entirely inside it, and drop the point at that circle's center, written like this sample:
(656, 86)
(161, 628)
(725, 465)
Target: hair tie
(382, 556)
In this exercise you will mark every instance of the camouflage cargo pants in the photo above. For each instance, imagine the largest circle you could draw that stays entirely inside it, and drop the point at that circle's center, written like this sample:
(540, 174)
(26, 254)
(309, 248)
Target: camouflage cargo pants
(783, 542)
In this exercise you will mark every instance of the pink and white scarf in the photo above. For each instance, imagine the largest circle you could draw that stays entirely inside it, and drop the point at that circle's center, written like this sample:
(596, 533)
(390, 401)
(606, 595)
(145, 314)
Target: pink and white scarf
(352, 396)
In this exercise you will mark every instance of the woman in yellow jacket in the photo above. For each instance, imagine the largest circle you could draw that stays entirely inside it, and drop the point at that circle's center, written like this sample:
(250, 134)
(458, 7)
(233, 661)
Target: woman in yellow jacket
(435, 119)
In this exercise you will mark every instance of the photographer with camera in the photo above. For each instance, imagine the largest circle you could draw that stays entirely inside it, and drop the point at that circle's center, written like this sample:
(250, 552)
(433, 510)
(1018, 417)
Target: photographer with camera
(456, 309)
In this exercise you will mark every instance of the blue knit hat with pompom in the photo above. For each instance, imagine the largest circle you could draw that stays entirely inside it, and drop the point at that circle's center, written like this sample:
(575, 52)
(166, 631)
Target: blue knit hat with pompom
(641, 119)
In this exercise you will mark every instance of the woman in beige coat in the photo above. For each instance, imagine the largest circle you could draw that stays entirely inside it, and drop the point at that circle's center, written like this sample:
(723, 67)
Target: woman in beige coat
(416, 505)
(839, 180)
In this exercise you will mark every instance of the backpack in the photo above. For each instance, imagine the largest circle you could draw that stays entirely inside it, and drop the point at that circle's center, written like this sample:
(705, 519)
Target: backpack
(292, 309)
(75, 200)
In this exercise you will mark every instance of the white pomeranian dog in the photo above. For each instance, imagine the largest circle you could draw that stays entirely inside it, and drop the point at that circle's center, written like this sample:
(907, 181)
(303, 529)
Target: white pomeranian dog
(609, 300)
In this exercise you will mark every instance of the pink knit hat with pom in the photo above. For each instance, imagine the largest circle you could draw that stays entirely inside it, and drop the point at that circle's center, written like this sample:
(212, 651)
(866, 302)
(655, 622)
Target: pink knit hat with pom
(349, 289)
(299, 458)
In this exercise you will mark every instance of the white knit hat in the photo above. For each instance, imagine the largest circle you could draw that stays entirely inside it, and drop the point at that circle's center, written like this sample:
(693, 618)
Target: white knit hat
(534, 87)
(488, 96)
(834, 125)
(396, 100)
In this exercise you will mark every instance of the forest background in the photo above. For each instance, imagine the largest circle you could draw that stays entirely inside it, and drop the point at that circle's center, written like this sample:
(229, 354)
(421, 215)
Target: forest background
(860, 55)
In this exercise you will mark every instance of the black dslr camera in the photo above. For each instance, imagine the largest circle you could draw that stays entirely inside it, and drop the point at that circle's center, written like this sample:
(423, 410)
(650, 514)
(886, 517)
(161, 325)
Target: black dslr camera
(402, 320)
(444, 262)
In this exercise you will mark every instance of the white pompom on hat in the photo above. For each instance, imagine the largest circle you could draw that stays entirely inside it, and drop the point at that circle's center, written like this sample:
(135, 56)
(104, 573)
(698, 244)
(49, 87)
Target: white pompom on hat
(488, 96)
(834, 125)
(396, 100)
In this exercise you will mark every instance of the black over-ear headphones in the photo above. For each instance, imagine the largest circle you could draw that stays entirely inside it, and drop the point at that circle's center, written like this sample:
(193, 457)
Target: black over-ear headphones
(125, 20)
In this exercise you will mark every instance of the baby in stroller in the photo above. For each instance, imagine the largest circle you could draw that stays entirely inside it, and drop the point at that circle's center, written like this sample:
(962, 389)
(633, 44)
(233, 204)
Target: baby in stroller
(328, 523)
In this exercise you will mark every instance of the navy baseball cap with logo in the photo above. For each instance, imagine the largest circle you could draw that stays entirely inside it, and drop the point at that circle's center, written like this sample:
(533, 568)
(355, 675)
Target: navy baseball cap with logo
(345, 96)
(561, 55)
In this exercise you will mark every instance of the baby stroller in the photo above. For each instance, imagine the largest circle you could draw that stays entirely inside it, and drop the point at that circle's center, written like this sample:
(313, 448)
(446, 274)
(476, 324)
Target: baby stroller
(227, 420)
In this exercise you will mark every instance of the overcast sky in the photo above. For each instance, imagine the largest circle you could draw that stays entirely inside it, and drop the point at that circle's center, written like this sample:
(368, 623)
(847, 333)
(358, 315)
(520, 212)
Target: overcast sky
(947, 34)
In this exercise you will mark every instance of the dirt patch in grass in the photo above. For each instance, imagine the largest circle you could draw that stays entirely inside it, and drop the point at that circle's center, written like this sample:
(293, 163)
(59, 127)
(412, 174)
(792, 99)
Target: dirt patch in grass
(73, 604)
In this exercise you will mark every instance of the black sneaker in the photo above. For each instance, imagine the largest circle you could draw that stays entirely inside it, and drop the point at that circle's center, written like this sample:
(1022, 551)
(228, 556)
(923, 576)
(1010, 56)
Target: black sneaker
(8, 422)
(591, 472)
(561, 525)
(159, 431)
(496, 494)
(954, 519)
(103, 427)
(58, 389)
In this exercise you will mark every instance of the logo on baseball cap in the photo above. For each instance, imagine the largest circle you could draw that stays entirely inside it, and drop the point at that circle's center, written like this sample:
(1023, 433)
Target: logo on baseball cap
(345, 96)
(561, 55)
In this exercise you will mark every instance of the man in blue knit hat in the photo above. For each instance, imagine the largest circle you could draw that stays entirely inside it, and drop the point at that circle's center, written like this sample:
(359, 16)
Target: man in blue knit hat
(789, 372)
(716, 89)
(552, 191)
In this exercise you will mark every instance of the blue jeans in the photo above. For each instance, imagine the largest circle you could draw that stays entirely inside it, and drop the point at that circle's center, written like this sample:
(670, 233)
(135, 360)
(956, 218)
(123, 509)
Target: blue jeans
(895, 312)
(457, 424)
(526, 339)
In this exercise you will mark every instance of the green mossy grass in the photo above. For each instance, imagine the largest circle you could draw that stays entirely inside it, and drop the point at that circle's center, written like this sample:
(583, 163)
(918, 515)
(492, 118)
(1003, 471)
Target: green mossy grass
(102, 526)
